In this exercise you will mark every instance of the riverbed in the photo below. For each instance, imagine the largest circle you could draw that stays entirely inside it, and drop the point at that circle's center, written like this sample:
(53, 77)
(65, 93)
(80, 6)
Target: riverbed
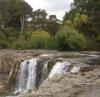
(8, 58)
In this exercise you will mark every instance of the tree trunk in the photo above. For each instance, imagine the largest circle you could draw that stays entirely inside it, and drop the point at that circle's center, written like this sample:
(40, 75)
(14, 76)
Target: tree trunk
(22, 24)
(10, 74)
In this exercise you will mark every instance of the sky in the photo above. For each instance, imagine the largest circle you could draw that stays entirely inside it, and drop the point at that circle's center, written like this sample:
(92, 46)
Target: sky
(57, 7)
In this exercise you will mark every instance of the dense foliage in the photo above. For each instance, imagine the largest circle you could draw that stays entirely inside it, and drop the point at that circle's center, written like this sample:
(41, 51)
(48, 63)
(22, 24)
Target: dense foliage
(91, 28)
(23, 28)
(39, 40)
(70, 39)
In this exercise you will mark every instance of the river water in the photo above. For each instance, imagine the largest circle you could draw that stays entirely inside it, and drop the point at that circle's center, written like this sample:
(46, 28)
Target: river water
(28, 74)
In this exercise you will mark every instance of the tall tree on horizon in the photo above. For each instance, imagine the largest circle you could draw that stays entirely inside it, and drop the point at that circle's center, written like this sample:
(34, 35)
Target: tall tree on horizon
(53, 25)
(39, 18)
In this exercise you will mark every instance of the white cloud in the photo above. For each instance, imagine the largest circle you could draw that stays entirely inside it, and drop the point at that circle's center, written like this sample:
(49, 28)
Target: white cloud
(57, 7)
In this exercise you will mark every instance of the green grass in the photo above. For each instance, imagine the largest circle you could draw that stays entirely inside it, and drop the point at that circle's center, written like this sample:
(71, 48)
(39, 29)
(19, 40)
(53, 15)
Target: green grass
(40, 33)
(39, 40)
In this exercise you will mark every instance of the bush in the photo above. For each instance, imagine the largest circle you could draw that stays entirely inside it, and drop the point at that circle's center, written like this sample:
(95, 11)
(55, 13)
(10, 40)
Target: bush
(38, 40)
(70, 39)
(21, 43)
(42, 42)
(7, 37)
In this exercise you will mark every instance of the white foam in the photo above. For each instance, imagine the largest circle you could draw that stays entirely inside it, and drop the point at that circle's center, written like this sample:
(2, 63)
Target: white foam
(59, 68)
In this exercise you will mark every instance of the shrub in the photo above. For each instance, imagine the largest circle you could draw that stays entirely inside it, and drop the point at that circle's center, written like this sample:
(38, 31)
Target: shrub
(70, 39)
(21, 43)
(38, 40)
(41, 40)
(7, 37)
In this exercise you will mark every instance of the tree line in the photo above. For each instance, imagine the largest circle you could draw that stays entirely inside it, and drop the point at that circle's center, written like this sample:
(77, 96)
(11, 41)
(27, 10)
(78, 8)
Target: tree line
(22, 27)
(16, 14)
(85, 17)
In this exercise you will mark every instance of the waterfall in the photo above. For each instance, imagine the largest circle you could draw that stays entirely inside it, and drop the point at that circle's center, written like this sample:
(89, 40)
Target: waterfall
(27, 75)
(31, 74)
(22, 76)
(34, 71)
(59, 68)
(44, 72)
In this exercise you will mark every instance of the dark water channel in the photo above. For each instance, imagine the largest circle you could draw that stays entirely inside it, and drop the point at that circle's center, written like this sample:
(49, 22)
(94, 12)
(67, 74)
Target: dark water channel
(91, 59)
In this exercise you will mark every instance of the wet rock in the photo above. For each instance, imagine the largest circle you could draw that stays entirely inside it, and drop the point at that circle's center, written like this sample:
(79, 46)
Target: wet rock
(70, 85)
(67, 85)
(3, 88)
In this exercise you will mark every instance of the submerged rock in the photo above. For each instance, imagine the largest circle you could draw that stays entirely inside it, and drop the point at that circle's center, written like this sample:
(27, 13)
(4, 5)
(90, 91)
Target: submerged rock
(75, 69)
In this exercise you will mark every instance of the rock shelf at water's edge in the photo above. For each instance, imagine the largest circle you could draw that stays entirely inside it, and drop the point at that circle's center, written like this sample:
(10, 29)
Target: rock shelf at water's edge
(10, 61)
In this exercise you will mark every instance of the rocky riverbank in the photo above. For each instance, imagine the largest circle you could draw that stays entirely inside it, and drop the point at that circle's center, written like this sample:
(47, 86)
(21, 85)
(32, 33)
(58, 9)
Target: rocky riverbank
(69, 85)
(83, 84)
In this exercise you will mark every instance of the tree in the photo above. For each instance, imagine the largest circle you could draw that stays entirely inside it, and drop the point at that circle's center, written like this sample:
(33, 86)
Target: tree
(39, 19)
(53, 25)
(26, 13)
(13, 12)
(69, 38)
(14, 15)
(78, 22)
(92, 9)
(85, 15)
(4, 13)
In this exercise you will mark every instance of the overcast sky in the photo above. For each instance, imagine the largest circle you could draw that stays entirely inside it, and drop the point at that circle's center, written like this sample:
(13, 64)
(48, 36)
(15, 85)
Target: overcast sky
(57, 7)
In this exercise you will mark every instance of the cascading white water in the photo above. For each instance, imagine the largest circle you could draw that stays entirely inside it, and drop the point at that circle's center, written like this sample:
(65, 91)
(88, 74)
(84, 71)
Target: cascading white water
(31, 76)
(32, 66)
(44, 72)
(59, 68)
(27, 75)
(28, 70)
(22, 76)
